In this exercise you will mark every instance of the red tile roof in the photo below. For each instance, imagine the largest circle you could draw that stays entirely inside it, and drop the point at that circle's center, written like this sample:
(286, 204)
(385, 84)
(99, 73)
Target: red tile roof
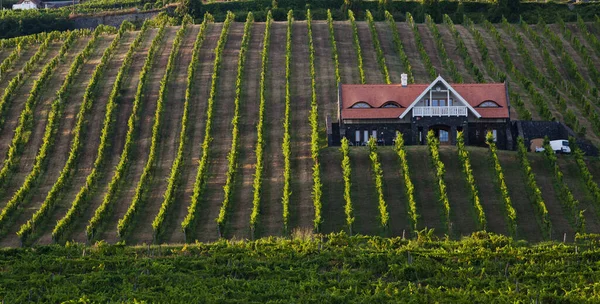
(377, 95)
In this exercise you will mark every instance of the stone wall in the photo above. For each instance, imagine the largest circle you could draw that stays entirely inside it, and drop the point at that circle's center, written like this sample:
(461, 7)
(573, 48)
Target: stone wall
(554, 130)
(113, 20)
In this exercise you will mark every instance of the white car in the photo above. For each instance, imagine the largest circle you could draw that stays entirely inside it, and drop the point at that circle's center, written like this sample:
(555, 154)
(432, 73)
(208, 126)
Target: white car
(559, 146)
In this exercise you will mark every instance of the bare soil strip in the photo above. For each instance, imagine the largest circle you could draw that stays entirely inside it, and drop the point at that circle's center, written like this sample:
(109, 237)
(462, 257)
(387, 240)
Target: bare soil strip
(462, 212)
(27, 160)
(168, 139)
(334, 217)
(142, 140)
(489, 193)
(528, 227)
(210, 202)
(452, 51)
(346, 52)
(271, 206)
(429, 206)
(494, 53)
(573, 179)
(15, 107)
(301, 205)
(392, 59)
(394, 192)
(243, 191)
(373, 73)
(364, 194)
(428, 42)
(85, 162)
(544, 177)
(473, 51)
(197, 120)
(331, 170)
(410, 48)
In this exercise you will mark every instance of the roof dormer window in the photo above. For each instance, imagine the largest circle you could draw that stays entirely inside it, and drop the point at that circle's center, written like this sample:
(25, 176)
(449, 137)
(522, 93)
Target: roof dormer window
(488, 104)
(361, 105)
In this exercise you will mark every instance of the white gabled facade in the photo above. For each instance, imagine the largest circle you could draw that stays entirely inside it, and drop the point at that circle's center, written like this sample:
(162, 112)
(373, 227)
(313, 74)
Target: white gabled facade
(25, 5)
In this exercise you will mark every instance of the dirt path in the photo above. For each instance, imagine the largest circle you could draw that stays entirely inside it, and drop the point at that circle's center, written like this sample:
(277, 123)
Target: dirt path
(334, 217)
(544, 177)
(410, 48)
(363, 193)
(89, 149)
(168, 139)
(429, 43)
(473, 51)
(527, 223)
(55, 162)
(462, 212)
(573, 179)
(197, 120)
(373, 74)
(15, 106)
(429, 207)
(143, 133)
(489, 193)
(452, 51)
(212, 198)
(392, 59)
(346, 52)
(394, 192)
(242, 195)
(271, 206)
(301, 204)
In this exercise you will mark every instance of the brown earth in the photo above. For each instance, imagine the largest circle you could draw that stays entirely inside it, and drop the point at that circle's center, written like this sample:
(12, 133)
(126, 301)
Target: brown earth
(301, 204)
(410, 48)
(489, 191)
(212, 196)
(271, 221)
(168, 139)
(392, 58)
(462, 211)
(128, 92)
(394, 192)
(197, 120)
(240, 205)
(473, 51)
(452, 51)
(432, 52)
(346, 52)
(373, 73)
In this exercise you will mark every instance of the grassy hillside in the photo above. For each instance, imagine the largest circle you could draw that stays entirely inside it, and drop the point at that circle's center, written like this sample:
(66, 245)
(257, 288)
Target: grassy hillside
(557, 81)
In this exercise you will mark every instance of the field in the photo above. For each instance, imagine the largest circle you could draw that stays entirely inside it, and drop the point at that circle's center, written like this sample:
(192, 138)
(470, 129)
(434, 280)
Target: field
(172, 134)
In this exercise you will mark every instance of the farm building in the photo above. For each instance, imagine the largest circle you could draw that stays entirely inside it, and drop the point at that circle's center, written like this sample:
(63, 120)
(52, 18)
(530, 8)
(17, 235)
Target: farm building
(381, 111)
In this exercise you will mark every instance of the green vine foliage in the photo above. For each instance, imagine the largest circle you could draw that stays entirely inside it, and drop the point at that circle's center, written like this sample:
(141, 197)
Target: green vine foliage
(286, 145)
(585, 173)
(434, 151)
(334, 50)
(465, 161)
(378, 50)
(347, 174)
(410, 187)
(421, 47)
(463, 51)
(446, 61)
(399, 46)
(509, 210)
(357, 47)
(384, 216)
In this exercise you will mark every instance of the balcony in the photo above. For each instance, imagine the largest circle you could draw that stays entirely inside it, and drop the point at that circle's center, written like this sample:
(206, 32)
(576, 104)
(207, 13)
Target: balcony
(440, 111)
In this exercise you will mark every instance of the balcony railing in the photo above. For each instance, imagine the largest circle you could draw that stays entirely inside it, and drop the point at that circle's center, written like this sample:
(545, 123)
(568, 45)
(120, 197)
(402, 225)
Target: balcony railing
(440, 111)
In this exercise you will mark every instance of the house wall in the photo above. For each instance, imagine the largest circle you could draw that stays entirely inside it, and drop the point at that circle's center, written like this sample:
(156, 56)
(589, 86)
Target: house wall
(478, 131)
(386, 132)
(25, 6)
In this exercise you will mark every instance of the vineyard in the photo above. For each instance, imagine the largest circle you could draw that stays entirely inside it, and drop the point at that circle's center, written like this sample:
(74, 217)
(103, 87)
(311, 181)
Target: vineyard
(172, 134)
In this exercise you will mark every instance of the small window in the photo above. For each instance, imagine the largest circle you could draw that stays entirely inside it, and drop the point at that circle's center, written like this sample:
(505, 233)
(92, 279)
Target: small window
(391, 104)
(360, 105)
(488, 104)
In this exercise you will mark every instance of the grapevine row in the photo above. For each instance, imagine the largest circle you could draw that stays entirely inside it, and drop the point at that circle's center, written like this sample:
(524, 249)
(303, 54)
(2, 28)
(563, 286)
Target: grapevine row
(174, 177)
(357, 47)
(465, 162)
(378, 50)
(534, 191)
(334, 50)
(85, 193)
(511, 213)
(410, 187)
(314, 125)
(400, 47)
(591, 39)
(233, 152)
(462, 50)
(285, 146)
(421, 48)
(570, 204)
(144, 182)
(447, 62)
(12, 57)
(434, 151)
(103, 210)
(260, 143)
(583, 52)
(61, 95)
(384, 215)
(585, 173)
(347, 173)
(190, 219)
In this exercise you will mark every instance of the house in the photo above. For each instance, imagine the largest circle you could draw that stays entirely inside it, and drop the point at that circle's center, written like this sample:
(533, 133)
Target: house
(28, 4)
(381, 111)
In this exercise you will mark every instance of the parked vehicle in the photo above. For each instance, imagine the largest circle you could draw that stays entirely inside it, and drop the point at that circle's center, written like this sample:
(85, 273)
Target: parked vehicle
(558, 146)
